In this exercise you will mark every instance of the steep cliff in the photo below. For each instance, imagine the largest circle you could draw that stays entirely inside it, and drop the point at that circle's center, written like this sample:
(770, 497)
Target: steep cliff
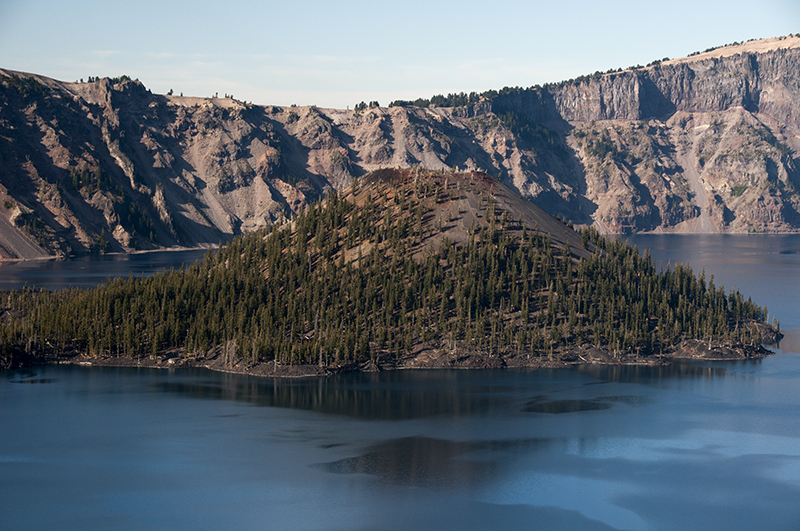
(706, 143)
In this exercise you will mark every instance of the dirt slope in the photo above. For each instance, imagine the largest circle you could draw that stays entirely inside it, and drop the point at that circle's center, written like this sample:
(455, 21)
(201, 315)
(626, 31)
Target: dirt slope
(707, 143)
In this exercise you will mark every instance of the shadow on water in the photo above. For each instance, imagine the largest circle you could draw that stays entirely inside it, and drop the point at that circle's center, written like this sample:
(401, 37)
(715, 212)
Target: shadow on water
(642, 374)
(26, 376)
(432, 463)
(543, 404)
(789, 343)
(395, 396)
(404, 395)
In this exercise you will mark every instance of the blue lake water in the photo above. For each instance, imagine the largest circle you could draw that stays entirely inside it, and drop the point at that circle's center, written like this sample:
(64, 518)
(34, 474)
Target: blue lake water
(91, 271)
(695, 446)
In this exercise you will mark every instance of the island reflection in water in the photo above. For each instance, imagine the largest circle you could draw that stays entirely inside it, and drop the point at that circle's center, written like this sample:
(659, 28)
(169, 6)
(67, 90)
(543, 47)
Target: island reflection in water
(413, 394)
(703, 445)
(599, 448)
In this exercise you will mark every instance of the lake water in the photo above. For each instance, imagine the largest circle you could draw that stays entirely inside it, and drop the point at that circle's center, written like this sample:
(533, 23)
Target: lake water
(695, 446)
(91, 271)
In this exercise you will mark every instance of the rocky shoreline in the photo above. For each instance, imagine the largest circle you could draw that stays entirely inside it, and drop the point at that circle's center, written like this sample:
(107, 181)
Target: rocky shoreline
(422, 357)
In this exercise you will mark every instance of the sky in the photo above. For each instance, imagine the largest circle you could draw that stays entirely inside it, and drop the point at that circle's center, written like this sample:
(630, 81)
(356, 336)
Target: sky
(336, 54)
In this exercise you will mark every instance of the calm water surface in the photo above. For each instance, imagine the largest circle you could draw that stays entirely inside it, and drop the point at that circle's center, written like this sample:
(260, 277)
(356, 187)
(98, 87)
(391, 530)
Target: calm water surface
(91, 271)
(696, 446)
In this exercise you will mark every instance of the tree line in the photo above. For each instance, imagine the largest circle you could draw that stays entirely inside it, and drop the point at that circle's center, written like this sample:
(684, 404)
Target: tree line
(350, 280)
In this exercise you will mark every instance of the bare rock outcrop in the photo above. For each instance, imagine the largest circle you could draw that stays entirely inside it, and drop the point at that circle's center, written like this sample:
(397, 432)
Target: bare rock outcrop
(707, 143)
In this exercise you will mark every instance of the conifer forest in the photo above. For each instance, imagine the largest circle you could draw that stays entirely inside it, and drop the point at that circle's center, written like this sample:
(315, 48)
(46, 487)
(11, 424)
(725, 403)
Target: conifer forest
(374, 271)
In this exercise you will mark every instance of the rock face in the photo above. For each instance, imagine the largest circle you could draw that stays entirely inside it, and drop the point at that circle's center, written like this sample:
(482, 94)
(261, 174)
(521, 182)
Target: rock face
(702, 144)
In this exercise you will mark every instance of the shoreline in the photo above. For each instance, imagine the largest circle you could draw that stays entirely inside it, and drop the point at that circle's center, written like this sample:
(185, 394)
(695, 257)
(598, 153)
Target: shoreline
(214, 246)
(424, 357)
(61, 258)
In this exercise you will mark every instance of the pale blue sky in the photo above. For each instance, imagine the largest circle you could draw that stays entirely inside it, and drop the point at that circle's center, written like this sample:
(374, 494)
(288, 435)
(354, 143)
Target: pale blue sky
(335, 54)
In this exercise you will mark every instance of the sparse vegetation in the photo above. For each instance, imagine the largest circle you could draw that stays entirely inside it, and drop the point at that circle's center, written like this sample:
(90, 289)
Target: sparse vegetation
(739, 189)
(642, 157)
(28, 89)
(352, 280)
(450, 100)
(89, 181)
